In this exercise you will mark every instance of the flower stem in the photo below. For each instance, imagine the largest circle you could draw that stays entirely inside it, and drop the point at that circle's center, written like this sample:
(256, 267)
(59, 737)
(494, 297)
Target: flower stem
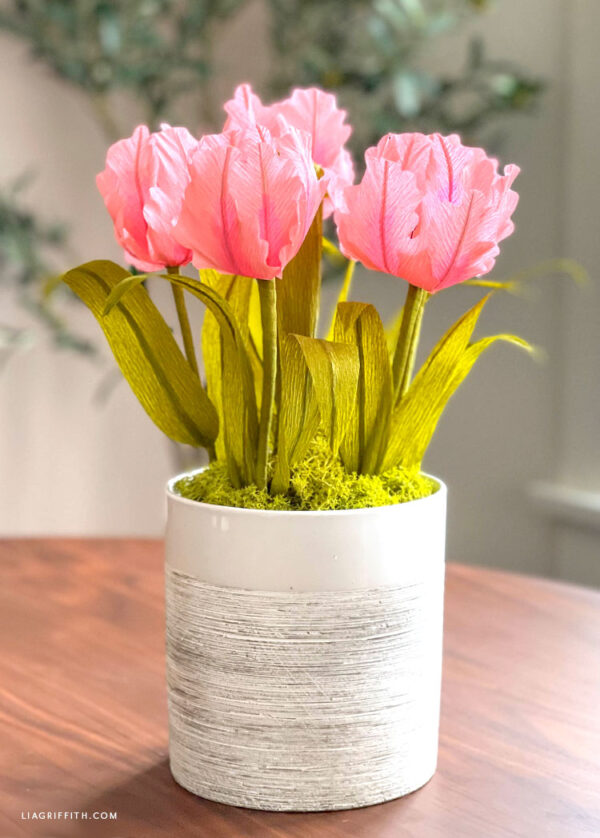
(184, 322)
(408, 339)
(268, 311)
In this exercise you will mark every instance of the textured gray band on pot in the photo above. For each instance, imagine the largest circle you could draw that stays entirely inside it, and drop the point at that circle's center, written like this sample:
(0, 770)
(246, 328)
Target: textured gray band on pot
(303, 701)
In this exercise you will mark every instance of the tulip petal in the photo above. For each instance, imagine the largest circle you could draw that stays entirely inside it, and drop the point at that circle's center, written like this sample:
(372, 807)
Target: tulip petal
(142, 186)
(462, 210)
(250, 202)
(311, 111)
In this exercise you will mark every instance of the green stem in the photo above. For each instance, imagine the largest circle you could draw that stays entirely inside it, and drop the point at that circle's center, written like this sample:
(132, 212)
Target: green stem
(408, 339)
(184, 322)
(268, 312)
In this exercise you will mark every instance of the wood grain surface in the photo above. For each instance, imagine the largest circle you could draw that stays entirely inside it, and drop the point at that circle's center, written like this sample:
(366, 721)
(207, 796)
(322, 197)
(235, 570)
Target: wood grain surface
(84, 728)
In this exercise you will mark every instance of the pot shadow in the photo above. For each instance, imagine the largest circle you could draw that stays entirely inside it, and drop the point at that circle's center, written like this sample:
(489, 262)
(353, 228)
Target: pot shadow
(151, 804)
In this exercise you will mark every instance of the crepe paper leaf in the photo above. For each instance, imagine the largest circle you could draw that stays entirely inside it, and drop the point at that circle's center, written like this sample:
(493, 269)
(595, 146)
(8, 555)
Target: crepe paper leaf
(415, 418)
(236, 291)
(210, 277)
(334, 370)
(392, 331)
(237, 408)
(515, 283)
(298, 420)
(147, 354)
(299, 290)
(508, 285)
(255, 322)
(126, 284)
(333, 253)
(569, 267)
(298, 296)
(343, 295)
(50, 285)
(243, 296)
(365, 443)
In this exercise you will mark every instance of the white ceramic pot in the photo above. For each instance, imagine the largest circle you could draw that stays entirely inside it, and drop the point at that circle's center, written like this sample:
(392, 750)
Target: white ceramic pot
(304, 652)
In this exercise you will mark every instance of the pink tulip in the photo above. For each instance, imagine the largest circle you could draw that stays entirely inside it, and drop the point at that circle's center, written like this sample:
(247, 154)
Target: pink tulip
(428, 209)
(250, 202)
(311, 110)
(143, 186)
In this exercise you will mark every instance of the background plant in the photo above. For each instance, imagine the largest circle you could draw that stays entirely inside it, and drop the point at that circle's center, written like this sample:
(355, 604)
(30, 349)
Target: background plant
(30, 255)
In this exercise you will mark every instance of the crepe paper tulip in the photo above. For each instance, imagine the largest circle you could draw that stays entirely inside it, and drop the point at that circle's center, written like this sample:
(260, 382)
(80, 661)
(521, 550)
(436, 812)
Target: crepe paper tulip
(251, 200)
(311, 110)
(443, 231)
(244, 206)
(143, 185)
(429, 210)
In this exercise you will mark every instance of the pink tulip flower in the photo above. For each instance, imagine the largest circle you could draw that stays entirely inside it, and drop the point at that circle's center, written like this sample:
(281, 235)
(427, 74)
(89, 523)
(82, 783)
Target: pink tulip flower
(311, 110)
(428, 209)
(143, 186)
(250, 202)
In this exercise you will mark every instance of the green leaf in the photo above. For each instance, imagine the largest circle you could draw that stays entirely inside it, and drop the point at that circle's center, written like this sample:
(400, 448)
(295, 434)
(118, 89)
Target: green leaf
(299, 413)
(255, 323)
(334, 370)
(343, 295)
(126, 284)
(228, 358)
(508, 285)
(237, 291)
(516, 283)
(392, 331)
(298, 296)
(147, 354)
(415, 418)
(364, 446)
(333, 253)
(299, 290)
(212, 354)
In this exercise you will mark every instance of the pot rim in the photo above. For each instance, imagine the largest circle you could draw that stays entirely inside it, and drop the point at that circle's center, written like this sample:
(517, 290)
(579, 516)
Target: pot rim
(440, 493)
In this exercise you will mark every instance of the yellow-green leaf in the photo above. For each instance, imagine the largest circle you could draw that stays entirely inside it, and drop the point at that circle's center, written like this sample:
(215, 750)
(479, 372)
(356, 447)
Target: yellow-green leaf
(364, 446)
(509, 285)
(392, 330)
(255, 323)
(333, 253)
(126, 284)
(516, 283)
(298, 292)
(238, 410)
(334, 370)
(236, 291)
(147, 354)
(298, 420)
(343, 295)
(415, 418)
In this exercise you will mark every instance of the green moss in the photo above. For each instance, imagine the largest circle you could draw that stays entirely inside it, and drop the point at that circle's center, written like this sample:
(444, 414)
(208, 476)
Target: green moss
(319, 482)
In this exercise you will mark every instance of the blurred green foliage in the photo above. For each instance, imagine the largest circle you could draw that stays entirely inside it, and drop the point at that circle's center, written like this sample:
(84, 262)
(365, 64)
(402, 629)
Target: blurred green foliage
(28, 249)
(155, 49)
(377, 57)
(160, 53)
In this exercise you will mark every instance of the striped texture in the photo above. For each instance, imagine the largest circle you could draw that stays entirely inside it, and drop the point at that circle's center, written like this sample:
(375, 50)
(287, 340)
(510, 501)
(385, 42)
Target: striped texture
(303, 701)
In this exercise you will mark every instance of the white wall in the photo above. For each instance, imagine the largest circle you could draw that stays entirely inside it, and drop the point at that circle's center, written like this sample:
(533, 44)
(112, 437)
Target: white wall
(573, 490)
(69, 467)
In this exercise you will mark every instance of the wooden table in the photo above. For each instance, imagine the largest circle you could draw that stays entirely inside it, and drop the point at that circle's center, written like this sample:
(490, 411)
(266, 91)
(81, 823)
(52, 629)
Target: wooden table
(84, 725)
